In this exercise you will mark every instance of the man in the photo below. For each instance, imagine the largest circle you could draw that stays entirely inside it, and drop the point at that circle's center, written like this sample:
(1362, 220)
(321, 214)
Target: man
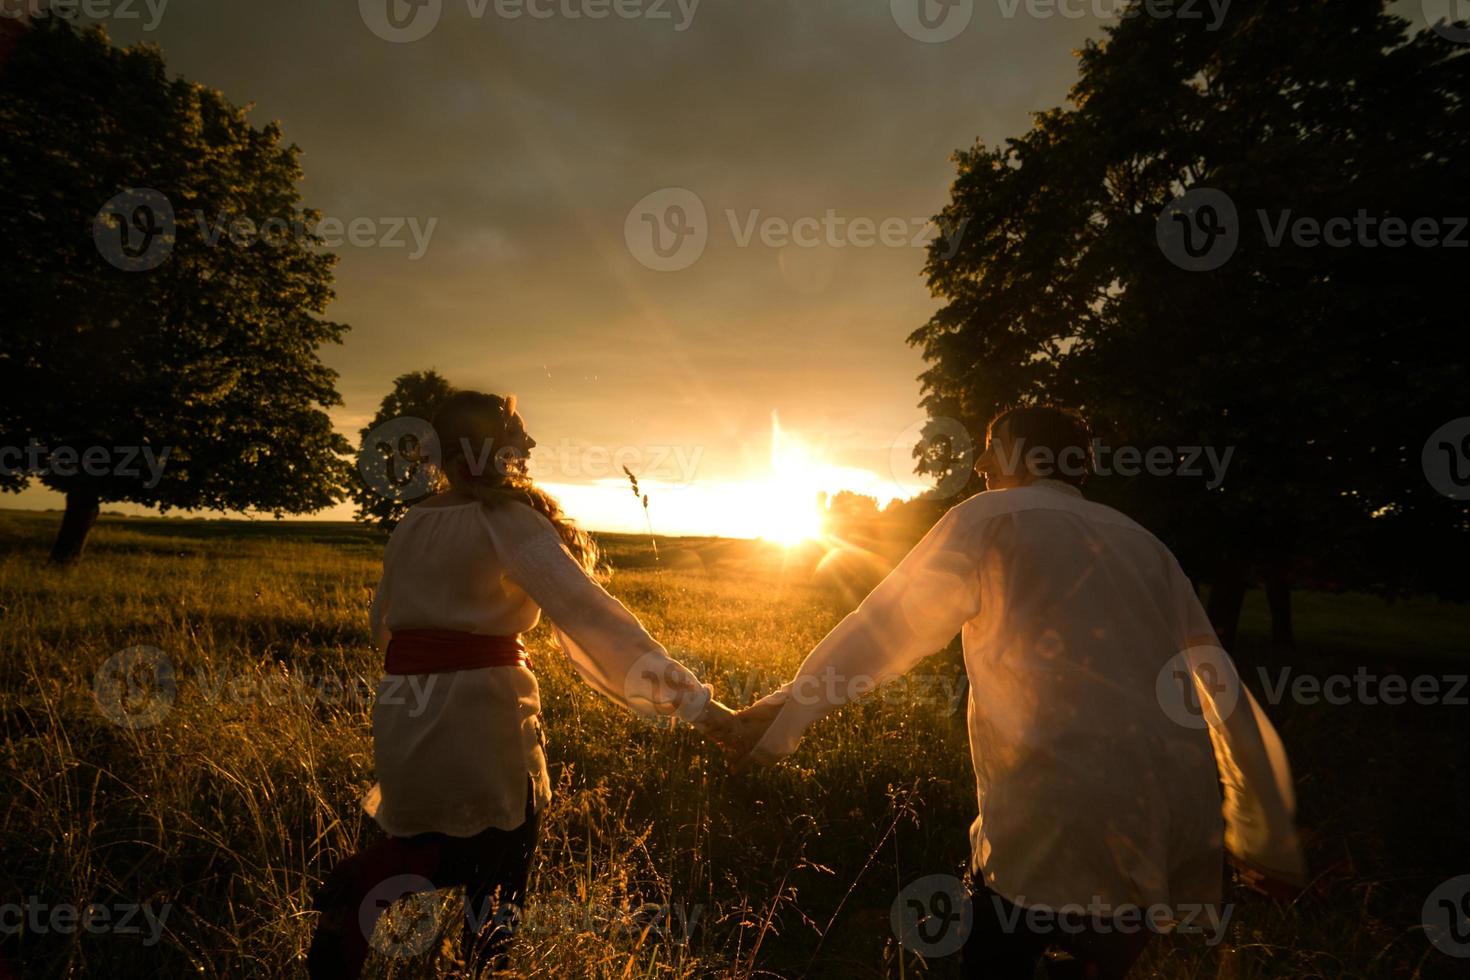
(1103, 716)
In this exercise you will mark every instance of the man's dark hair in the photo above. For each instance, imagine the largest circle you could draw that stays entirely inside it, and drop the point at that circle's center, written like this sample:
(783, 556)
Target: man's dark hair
(1063, 436)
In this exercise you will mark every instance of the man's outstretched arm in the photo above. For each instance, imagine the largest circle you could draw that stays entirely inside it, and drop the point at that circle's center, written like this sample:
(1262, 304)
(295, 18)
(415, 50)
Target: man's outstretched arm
(912, 613)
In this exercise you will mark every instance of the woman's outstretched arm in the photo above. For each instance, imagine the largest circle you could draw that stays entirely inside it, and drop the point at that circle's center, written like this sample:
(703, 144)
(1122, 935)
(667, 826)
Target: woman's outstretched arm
(608, 647)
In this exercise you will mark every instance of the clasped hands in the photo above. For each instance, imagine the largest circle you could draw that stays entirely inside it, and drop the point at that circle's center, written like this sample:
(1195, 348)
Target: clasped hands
(737, 732)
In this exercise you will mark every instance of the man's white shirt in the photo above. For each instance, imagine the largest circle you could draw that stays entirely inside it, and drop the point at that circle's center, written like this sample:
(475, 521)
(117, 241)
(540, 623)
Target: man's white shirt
(1103, 718)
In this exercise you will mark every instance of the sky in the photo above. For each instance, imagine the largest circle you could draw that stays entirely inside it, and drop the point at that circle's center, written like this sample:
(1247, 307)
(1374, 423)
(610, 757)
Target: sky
(788, 155)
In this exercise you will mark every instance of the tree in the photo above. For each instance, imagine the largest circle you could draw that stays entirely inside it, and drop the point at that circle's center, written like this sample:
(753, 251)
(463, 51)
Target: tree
(1324, 368)
(395, 460)
(164, 292)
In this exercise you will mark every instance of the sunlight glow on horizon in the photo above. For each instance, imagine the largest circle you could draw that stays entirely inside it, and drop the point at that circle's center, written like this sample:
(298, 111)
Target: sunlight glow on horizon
(777, 502)
(780, 505)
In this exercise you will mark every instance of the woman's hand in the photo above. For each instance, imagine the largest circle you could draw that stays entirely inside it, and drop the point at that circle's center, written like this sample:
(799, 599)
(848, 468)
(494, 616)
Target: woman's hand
(718, 724)
(738, 732)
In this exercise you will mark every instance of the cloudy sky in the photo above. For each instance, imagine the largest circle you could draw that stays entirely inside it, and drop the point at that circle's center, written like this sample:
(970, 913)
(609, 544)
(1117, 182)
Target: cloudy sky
(786, 154)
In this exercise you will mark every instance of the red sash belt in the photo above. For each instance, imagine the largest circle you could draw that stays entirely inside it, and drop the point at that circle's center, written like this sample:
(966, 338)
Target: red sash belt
(429, 651)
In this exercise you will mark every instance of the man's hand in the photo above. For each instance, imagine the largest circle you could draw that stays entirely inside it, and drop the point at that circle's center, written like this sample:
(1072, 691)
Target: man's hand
(751, 724)
(718, 724)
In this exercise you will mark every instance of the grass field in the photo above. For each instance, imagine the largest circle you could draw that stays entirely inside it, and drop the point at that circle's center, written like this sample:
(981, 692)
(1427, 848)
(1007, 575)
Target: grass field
(221, 818)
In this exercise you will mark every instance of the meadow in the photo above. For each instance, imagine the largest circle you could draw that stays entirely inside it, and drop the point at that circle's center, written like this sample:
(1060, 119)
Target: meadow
(220, 817)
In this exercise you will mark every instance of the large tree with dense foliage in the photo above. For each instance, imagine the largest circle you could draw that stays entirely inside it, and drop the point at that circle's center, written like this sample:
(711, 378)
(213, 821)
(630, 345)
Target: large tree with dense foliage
(1325, 368)
(184, 316)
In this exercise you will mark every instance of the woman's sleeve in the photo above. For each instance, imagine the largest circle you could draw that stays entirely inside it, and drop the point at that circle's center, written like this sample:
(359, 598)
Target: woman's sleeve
(912, 613)
(607, 645)
(378, 613)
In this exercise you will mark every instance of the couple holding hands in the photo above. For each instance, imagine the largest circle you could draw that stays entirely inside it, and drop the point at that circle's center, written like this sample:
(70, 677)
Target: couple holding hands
(1117, 756)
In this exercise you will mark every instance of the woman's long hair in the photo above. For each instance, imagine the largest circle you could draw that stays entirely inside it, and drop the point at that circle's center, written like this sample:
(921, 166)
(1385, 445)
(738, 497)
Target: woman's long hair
(474, 450)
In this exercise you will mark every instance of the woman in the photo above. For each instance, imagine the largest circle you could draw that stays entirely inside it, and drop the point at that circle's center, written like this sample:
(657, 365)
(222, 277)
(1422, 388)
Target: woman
(456, 724)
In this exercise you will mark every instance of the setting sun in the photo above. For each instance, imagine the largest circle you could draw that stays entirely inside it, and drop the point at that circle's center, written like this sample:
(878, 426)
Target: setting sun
(788, 508)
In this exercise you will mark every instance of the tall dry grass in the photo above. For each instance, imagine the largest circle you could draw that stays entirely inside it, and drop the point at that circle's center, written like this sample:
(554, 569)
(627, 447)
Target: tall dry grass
(230, 809)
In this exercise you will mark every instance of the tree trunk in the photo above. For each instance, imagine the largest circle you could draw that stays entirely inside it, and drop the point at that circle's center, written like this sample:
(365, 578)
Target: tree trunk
(1278, 597)
(1227, 596)
(81, 513)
